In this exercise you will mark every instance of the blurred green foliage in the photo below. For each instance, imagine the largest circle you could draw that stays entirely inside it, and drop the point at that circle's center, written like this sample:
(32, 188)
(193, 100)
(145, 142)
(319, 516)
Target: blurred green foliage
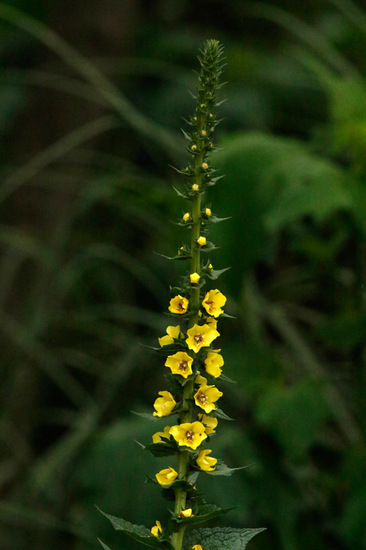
(89, 126)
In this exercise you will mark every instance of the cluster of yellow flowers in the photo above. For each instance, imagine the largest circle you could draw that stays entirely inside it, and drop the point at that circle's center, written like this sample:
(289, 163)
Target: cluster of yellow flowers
(186, 365)
(191, 355)
(190, 352)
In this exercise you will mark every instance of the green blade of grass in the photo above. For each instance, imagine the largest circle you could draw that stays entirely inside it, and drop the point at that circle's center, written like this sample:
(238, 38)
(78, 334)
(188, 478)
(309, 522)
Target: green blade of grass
(92, 74)
(355, 14)
(54, 152)
(307, 34)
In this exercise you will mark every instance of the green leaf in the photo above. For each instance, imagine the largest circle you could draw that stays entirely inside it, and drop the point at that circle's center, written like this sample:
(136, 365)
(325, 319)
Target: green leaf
(215, 273)
(148, 416)
(204, 513)
(209, 511)
(225, 378)
(182, 195)
(185, 255)
(215, 219)
(281, 409)
(209, 246)
(138, 532)
(220, 414)
(160, 449)
(274, 183)
(104, 545)
(219, 538)
(222, 470)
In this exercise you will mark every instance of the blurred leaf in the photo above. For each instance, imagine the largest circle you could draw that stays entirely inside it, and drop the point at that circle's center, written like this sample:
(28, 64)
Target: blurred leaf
(295, 414)
(307, 186)
(345, 331)
(353, 519)
(11, 99)
(273, 183)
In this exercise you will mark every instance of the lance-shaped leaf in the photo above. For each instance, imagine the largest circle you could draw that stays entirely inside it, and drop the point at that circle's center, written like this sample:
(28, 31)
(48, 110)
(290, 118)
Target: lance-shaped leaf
(182, 195)
(138, 532)
(104, 545)
(220, 414)
(147, 416)
(161, 449)
(218, 538)
(215, 273)
(183, 255)
(221, 469)
(227, 379)
(215, 219)
(204, 513)
(209, 247)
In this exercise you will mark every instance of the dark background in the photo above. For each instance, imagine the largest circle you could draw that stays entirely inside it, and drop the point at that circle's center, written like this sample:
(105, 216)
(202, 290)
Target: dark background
(93, 96)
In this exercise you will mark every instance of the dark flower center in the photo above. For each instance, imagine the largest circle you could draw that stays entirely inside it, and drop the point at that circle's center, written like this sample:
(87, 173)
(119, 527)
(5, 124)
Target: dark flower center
(202, 398)
(182, 365)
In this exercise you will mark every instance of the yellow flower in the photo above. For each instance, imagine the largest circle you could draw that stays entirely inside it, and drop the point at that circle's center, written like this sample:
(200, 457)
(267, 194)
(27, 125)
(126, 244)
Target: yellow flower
(186, 216)
(178, 304)
(166, 476)
(200, 336)
(211, 322)
(195, 187)
(172, 332)
(210, 267)
(209, 422)
(189, 434)
(158, 435)
(156, 529)
(164, 404)
(200, 379)
(197, 547)
(213, 363)
(202, 241)
(206, 396)
(186, 513)
(194, 278)
(213, 302)
(206, 463)
(204, 165)
(208, 212)
(180, 363)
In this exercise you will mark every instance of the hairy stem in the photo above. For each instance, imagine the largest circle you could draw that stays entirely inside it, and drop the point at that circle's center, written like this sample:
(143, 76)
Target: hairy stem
(183, 457)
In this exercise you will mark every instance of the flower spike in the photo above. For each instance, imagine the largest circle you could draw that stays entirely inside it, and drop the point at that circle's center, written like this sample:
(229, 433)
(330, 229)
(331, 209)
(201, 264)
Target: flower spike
(191, 353)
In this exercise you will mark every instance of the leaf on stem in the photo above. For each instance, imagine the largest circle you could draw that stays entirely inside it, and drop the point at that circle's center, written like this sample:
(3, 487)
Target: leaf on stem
(221, 469)
(104, 545)
(204, 513)
(220, 414)
(160, 449)
(215, 273)
(221, 538)
(138, 532)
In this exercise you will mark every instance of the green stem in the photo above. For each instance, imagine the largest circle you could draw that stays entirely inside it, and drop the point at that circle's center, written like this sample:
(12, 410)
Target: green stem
(183, 457)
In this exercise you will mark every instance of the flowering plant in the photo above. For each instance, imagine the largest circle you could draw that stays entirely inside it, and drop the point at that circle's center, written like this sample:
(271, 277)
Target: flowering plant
(191, 355)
